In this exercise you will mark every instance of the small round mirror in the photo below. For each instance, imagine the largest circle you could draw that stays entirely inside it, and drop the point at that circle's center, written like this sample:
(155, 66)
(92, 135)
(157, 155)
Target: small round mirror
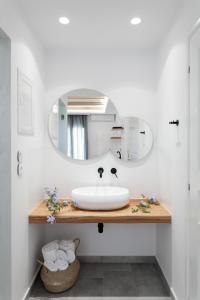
(132, 139)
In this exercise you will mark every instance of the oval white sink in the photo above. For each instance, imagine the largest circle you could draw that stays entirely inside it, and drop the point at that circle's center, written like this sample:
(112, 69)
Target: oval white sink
(100, 197)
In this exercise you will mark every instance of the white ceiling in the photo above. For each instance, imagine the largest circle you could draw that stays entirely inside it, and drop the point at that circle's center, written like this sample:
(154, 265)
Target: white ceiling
(100, 23)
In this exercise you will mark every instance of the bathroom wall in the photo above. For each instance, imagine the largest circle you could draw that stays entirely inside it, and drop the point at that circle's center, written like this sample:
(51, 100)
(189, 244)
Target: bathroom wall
(5, 174)
(26, 54)
(172, 146)
(128, 78)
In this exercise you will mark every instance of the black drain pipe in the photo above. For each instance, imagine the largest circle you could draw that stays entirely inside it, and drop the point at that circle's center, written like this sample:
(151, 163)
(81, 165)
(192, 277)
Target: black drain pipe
(100, 227)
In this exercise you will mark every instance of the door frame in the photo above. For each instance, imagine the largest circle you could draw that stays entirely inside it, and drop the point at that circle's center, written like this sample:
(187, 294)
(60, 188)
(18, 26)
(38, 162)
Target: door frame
(195, 28)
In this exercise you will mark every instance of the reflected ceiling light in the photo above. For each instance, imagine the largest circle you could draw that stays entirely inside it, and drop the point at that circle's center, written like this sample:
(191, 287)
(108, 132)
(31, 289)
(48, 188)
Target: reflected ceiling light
(136, 21)
(64, 20)
(87, 105)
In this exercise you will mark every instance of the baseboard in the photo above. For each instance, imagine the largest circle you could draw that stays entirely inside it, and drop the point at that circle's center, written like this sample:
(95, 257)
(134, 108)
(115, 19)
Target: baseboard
(27, 294)
(173, 295)
(163, 277)
(117, 259)
(111, 298)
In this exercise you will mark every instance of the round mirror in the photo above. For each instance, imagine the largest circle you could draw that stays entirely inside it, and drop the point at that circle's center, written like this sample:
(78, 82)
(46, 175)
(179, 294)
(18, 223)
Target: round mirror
(132, 139)
(80, 124)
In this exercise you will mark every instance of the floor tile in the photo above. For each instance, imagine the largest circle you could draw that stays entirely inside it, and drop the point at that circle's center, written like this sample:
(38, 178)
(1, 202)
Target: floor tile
(88, 287)
(150, 281)
(96, 270)
(116, 284)
(128, 259)
(111, 281)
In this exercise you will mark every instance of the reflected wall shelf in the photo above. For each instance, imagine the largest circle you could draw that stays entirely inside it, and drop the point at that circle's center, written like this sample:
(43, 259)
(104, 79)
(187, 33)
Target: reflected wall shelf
(117, 128)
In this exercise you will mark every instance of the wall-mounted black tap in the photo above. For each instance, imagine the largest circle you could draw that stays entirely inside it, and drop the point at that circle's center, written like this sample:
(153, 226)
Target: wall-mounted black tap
(100, 171)
(114, 172)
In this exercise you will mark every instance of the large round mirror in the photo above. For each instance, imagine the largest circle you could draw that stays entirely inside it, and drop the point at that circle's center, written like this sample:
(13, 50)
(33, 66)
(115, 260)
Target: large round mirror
(80, 123)
(84, 124)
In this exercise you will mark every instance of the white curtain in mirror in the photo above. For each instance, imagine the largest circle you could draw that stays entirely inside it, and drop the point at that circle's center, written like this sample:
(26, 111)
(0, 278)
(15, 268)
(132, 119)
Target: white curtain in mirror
(77, 137)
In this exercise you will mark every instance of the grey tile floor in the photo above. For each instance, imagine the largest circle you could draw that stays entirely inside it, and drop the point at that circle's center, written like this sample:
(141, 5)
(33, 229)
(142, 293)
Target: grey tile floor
(108, 280)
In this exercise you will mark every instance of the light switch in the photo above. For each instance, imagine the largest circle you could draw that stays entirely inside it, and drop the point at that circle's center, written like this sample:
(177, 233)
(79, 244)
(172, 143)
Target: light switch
(19, 170)
(19, 157)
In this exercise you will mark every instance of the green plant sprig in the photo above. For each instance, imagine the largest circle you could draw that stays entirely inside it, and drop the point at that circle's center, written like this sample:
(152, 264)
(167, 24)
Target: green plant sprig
(54, 206)
(145, 205)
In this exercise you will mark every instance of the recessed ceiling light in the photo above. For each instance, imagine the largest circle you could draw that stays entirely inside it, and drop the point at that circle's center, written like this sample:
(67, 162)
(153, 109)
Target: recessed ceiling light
(64, 20)
(136, 21)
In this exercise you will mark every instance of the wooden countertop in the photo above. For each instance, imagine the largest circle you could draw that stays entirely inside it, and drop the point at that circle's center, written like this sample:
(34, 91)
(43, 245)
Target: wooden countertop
(70, 214)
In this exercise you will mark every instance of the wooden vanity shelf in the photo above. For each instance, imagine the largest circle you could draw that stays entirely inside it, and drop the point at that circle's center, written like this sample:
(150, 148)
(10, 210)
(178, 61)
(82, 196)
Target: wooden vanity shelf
(70, 214)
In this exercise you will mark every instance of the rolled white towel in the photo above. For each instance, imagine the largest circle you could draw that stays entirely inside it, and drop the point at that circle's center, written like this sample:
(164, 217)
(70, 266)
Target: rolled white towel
(61, 264)
(60, 254)
(70, 256)
(50, 266)
(67, 245)
(49, 251)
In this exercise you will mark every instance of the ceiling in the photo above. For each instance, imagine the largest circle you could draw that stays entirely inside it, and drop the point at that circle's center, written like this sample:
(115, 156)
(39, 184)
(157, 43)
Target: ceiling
(100, 23)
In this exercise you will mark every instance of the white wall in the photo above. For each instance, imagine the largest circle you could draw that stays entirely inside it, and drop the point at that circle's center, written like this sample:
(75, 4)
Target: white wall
(26, 54)
(128, 78)
(172, 145)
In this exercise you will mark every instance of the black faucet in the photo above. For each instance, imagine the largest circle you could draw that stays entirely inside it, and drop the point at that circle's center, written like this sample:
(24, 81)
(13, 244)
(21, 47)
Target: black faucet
(100, 171)
(114, 172)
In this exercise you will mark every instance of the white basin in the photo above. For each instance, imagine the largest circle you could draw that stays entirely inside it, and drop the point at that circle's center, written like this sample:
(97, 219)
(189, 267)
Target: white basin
(100, 197)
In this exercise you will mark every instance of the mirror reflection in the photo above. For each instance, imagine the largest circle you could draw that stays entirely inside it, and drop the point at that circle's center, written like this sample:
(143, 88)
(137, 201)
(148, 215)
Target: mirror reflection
(84, 124)
(80, 122)
(132, 139)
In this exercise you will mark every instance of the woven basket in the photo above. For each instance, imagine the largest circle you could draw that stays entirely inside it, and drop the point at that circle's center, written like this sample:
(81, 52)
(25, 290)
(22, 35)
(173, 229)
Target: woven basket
(60, 281)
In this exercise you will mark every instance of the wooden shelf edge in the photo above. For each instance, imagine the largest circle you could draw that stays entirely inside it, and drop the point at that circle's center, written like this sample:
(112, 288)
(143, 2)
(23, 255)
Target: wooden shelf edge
(82, 221)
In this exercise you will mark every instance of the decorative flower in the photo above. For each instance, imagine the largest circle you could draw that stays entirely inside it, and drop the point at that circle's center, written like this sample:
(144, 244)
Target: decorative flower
(143, 204)
(154, 201)
(51, 219)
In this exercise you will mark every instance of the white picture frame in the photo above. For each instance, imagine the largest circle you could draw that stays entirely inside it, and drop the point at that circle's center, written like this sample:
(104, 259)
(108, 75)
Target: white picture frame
(24, 104)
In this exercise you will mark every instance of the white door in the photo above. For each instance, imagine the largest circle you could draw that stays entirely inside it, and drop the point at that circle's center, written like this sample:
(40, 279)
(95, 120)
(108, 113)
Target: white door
(194, 170)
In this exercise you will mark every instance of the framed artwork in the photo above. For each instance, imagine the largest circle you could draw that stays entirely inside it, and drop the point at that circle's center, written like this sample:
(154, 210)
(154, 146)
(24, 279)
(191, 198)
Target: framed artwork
(24, 104)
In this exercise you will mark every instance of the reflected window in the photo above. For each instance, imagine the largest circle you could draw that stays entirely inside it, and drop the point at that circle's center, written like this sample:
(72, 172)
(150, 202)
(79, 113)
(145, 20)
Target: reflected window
(77, 137)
